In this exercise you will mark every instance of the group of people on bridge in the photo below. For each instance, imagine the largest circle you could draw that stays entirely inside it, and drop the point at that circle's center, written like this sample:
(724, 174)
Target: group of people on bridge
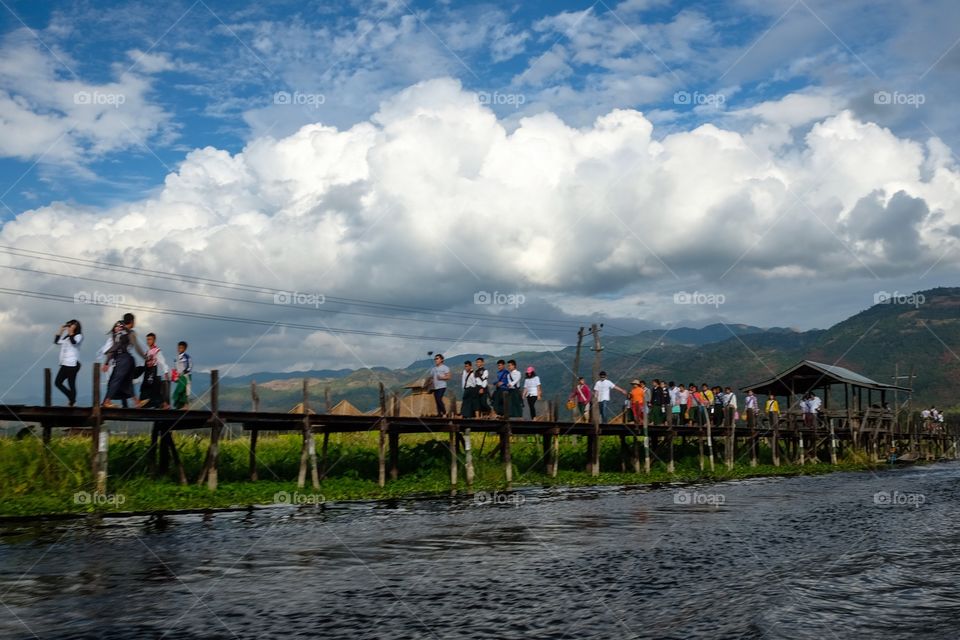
(501, 394)
(117, 356)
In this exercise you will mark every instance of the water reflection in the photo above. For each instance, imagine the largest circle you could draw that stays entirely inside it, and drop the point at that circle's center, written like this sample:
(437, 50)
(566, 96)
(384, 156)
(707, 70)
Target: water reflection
(820, 557)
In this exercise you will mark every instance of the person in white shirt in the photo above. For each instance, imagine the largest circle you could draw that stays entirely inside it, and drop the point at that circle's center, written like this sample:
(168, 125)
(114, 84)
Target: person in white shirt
(532, 391)
(679, 409)
(729, 406)
(468, 386)
(514, 383)
(601, 390)
(69, 338)
(483, 387)
(751, 405)
(155, 375)
(437, 380)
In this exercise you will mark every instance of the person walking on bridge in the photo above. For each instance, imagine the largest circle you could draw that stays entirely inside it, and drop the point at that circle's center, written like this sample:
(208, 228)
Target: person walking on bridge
(68, 339)
(116, 351)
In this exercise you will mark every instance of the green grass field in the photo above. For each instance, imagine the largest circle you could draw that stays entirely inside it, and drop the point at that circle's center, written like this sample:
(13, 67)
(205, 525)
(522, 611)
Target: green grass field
(36, 480)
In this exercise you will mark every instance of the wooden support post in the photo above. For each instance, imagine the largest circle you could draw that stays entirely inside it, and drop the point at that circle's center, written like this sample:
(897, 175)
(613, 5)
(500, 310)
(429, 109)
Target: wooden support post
(593, 464)
(833, 442)
(646, 442)
(308, 449)
(555, 452)
(800, 449)
(47, 389)
(382, 442)
(700, 445)
(326, 434)
(467, 458)
(98, 462)
(775, 442)
(453, 456)
(671, 436)
(731, 437)
(213, 453)
(710, 442)
(505, 454)
(254, 432)
(152, 449)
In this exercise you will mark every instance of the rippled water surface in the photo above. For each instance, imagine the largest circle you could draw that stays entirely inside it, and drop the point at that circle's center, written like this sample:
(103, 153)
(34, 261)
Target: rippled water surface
(813, 557)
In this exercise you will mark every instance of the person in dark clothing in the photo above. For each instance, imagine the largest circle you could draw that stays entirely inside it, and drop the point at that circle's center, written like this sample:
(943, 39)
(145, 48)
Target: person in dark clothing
(116, 351)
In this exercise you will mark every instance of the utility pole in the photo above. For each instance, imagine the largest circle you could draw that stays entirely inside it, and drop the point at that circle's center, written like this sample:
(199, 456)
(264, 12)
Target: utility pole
(576, 371)
(593, 444)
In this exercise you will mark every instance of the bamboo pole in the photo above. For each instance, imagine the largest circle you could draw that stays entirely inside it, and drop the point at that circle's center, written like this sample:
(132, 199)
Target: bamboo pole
(382, 443)
(254, 432)
(214, 450)
(646, 441)
(394, 443)
(326, 434)
(710, 441)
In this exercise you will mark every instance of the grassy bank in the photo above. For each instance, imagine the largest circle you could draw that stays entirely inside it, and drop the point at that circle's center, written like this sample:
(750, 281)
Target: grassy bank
(35, 480)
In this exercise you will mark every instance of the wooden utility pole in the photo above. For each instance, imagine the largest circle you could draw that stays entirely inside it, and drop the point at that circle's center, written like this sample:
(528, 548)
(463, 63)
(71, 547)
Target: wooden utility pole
(576, 372)
(593, 443)
(254, 433)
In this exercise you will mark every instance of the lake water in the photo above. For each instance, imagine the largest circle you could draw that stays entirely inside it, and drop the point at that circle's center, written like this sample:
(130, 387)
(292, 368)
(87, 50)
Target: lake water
(848, 555)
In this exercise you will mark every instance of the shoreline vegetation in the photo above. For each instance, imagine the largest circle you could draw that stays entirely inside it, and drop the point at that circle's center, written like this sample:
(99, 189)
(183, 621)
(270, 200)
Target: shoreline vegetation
(38, 481)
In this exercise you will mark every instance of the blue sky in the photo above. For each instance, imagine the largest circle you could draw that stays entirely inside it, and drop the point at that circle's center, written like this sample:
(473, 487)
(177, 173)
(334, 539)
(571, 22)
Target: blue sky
(789, 158)
(211, 70)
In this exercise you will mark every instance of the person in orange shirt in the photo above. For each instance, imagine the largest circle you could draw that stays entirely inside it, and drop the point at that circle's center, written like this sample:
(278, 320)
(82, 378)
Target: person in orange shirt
(638, 397)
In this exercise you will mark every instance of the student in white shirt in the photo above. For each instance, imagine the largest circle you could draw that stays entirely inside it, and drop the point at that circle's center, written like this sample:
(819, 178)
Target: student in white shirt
(468, 386)
(602, 390)
(729, 406)
(69, 338)
(532, 391)
(514, 383)
(155, 374)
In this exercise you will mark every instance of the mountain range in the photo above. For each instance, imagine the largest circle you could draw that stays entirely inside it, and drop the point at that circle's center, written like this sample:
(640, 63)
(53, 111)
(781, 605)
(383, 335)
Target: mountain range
(920, 336)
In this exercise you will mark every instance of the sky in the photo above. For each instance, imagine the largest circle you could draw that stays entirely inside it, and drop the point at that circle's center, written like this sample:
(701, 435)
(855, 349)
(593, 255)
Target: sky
(306, 185)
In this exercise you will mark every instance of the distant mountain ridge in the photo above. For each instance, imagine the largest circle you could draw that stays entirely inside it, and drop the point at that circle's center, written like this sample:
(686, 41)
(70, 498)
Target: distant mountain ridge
(924, 338)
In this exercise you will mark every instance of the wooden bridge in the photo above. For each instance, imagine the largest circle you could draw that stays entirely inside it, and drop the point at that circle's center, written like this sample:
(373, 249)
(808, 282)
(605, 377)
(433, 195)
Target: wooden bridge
(872, 431)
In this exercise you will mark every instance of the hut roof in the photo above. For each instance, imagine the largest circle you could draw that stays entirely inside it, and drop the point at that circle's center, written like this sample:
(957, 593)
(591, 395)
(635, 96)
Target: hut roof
(298, 408)
(807, 375)
(344, 408)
